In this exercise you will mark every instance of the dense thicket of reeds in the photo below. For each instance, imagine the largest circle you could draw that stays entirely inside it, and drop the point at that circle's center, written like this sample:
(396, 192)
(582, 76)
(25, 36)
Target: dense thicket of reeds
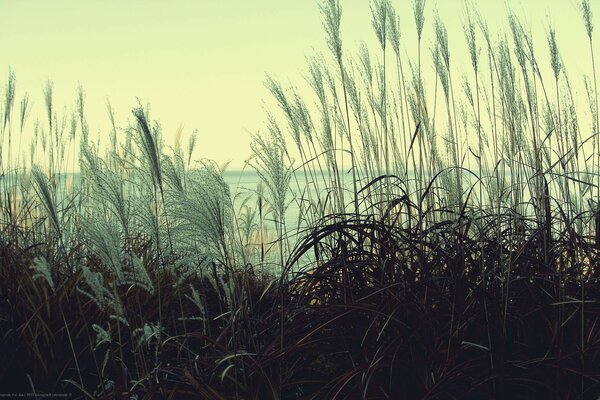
(444, 247)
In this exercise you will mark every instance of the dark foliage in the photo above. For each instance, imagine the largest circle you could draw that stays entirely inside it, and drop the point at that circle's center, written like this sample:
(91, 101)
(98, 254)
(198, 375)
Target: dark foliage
(461, 308)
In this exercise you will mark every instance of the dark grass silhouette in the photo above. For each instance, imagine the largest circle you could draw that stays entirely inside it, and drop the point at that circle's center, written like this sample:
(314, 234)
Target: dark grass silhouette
(426, 262)
(387, 311)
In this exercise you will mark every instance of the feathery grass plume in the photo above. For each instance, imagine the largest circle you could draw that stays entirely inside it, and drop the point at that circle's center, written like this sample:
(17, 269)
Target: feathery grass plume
(24, 111)
(73, 127)
(48, 101)
(366, 70)
(518, 39)
(144, 212)
(269, 163)
(148, 146)
(249, 228)
(9, 99)
(204, 213)
(441, 36)
(331, 12)
(368, 153)
(302, 116)
(332, 16)
(271, 167)
(104, 299)
(177, 138)
(7, 110)
(393, 27)
(523, 50)
(591, 99)
(402, 101)
(95, 282)
(316, 81)
(150, 333)
(139, 275)
(46, 197)
(315, 78)
(379, 19)
(442, 72)
(555, 59)
(586, 13)
(173, 172)
(416, 104)
(106, 186)
(102, 336)
(81, 113)
(34, 143)
(42, 269)
(113, 127)
(512, 102)
(148, 142)
(289, 111)
(557, 66)
(572, 123)
(467, 90)
(419, 15)
(471, 37)
(193, 140)
(104, 239)
(195, 299)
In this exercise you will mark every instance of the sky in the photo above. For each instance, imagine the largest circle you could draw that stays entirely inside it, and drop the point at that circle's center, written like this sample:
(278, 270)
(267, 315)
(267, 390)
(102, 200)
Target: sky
(201, 64)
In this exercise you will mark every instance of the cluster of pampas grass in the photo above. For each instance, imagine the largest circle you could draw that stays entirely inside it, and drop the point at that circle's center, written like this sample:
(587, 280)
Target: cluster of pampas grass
(438, 253)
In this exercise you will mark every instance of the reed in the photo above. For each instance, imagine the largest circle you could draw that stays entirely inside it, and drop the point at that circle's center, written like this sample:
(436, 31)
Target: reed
(446, 243)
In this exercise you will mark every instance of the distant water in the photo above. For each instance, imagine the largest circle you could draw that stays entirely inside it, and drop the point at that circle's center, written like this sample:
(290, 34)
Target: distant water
(244, 186)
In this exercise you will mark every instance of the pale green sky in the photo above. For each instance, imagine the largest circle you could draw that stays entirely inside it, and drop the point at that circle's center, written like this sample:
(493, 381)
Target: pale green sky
(202, 63)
